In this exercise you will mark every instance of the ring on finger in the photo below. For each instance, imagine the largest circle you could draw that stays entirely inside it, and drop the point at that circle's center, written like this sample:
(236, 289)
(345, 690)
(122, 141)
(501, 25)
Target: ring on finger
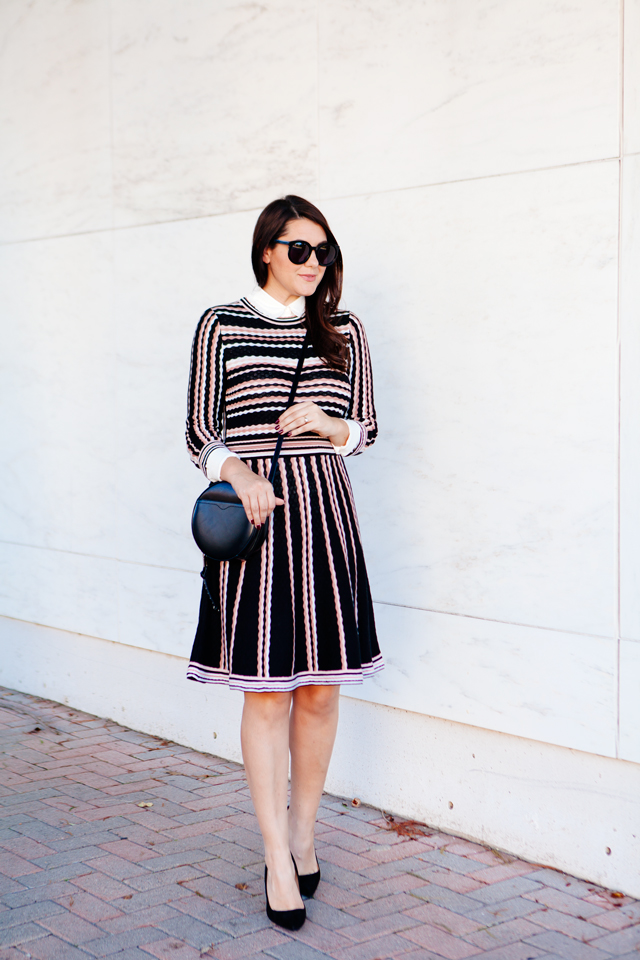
(306, 419)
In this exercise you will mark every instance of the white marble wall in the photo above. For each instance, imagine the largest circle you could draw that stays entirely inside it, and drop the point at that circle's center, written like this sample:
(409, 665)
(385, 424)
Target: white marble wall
(469, 159)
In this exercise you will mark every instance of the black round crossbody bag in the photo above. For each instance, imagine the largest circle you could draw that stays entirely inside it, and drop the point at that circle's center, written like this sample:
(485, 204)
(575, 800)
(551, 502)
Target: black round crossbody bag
(219, 523)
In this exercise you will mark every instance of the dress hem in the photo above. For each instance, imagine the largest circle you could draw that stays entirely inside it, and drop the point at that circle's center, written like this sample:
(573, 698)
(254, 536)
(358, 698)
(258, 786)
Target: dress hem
(203, 674)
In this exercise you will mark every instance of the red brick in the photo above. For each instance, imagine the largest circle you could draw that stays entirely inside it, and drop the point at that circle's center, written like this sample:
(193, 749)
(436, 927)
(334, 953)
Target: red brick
(380, 948)
(244, 946)
(115, 757)
(70, 927)
(371, 909)
(171, 949)
(346, 841)
(27, 848)
(106, 888)
(130, 851)
(52, 948)
(12, 866)
(335, 896)
(93, 780)
(564, 902)
(122, 789)
(110, 810)
(440, 942)
(383, 888)
(399, 851)
(89, 907)
(378, 927)
(495, 859)
(503, 933)
(465, 848)
(344, 859)
(612, 920)
(457, 882)
(205, 827)
(320, 938)
(502, 872)
(563, 923)
(443, 919)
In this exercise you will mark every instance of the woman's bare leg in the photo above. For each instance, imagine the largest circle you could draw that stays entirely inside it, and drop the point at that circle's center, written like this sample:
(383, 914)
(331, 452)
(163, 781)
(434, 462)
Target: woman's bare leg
(265, 750)
(312, 732)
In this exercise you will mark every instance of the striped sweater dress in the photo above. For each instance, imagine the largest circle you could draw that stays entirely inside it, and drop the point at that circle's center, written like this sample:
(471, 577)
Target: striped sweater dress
(298, 611)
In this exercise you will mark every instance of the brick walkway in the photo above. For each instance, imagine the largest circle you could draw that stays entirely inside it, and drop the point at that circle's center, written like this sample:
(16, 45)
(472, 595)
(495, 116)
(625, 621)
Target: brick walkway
(117, 844)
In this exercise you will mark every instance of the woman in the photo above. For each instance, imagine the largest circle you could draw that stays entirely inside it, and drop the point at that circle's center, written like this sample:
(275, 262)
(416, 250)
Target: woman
(295, 620)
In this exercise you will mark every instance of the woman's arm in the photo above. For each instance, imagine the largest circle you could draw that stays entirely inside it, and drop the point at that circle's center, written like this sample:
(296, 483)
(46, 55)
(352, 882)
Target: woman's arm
(205, 413)
(205, 424)
(360, 428)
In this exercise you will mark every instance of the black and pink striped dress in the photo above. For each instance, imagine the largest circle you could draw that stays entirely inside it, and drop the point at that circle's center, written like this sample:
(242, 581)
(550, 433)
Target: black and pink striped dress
(299, 611)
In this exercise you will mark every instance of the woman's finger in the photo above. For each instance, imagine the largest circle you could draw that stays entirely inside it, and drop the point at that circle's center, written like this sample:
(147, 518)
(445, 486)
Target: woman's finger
(296, 414)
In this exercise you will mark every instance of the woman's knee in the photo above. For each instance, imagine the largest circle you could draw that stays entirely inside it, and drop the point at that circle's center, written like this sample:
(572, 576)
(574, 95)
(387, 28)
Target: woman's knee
(320, 699)
(269, 707)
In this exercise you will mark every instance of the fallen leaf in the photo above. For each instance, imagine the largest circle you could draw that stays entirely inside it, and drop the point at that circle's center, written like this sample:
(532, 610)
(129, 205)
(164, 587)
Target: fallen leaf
(241, 886)
(127, 896)
(407, 828)
(145, 804)
(355, 802)
(617, 894)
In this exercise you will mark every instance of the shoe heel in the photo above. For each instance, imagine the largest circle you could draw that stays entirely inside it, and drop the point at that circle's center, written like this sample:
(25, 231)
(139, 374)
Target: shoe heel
(308, 882)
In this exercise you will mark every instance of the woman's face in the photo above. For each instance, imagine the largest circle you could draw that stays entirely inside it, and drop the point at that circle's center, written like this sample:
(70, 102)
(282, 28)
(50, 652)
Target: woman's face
(287, 281)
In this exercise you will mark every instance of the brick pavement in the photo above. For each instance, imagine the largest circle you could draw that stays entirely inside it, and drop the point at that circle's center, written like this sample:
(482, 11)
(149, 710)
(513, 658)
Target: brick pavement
(120, 845)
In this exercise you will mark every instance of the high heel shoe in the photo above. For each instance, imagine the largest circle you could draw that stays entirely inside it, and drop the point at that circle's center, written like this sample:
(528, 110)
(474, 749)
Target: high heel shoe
(308, 882)
(289, 919)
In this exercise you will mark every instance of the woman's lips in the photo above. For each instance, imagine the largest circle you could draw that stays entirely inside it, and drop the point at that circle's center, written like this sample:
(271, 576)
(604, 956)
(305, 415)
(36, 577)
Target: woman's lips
(309, 277)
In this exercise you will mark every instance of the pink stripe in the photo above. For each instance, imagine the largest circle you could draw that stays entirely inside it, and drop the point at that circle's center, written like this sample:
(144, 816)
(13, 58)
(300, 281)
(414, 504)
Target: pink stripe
(334, 578)
(235, 609)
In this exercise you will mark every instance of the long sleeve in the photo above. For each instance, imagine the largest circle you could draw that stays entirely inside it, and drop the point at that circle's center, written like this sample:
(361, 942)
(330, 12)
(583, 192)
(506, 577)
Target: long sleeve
(205, 413)
(362, 411)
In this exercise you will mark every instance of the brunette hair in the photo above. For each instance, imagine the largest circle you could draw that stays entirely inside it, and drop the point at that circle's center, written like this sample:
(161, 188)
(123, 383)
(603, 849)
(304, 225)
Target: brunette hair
(322, 305)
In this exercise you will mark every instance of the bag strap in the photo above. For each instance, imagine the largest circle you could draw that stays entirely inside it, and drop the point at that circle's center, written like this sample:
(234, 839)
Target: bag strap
(292, 394)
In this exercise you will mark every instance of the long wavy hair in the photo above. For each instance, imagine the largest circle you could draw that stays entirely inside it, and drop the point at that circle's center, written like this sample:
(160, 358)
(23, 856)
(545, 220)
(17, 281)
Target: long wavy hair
(322, 305)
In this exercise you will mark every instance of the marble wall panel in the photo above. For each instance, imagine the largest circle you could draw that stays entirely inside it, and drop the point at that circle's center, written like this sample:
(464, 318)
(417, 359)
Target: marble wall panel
(631, 142)
(166, 276)
(630, 700)
(630, 401)
(55, 143)
(57, 389)
(214, 106)
(426, 92)
(158, 608)
(56, 588)
(491, 309)
(543, 684)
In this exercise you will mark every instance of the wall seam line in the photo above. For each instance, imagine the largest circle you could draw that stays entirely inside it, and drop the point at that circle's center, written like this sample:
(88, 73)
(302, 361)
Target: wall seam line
(619, 384)
(337, 197)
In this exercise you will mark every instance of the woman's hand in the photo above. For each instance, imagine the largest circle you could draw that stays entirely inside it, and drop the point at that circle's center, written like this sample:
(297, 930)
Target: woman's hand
(256, 493)
(307, 417)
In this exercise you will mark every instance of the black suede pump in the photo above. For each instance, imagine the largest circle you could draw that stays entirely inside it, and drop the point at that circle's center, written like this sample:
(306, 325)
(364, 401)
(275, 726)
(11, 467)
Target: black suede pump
(289, 919)
(308, 882)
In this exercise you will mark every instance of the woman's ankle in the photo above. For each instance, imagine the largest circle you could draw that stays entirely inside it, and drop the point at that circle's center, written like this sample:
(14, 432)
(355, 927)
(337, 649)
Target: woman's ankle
(303, 850)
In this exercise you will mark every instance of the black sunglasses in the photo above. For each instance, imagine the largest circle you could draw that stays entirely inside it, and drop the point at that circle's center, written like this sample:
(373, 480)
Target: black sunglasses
(300, 251)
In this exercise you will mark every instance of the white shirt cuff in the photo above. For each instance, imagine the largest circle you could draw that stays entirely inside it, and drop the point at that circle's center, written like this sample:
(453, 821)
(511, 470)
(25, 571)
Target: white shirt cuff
(355, 435)
(216, 458)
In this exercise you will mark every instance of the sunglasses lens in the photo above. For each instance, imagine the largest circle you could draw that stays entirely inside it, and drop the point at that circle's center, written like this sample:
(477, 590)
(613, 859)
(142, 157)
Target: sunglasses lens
(299, 251)
(326, 254)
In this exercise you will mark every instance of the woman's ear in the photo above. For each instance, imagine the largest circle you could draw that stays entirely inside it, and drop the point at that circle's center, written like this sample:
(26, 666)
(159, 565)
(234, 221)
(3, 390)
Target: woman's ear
(266, 256)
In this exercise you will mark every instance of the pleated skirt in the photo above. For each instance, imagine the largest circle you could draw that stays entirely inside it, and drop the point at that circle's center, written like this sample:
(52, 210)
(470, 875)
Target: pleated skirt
(299, 611)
